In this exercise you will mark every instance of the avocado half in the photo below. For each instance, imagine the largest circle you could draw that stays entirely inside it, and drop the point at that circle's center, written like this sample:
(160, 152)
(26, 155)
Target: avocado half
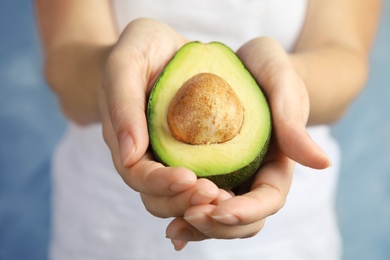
(228, 162)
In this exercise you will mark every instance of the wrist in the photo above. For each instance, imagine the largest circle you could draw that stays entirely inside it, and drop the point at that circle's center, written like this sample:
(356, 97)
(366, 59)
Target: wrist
(73, 72)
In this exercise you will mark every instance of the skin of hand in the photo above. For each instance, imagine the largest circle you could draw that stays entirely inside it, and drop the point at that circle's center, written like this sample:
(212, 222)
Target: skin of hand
(88, 65)
(175, 192)
(244, 215)
(135, 62)
(201, 209)
(326, 68)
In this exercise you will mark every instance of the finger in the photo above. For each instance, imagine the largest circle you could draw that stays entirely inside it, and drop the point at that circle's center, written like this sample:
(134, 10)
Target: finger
(267, 196)
(298, 145)
(222, 196)
(289, 121)
(290, 118)
(180, 232)
(203, 192)
(152, 178)
(146, 175)
(125, 92)
(200, 218)
(180, 229)
(288, 99)
(130, 72)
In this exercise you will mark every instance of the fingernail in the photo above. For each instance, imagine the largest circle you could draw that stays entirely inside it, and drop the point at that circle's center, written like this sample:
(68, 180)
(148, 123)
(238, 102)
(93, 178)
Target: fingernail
(329, 161)
(200, 221)
(202, 197)
(126, 148)
(228, 219)
(330, 164)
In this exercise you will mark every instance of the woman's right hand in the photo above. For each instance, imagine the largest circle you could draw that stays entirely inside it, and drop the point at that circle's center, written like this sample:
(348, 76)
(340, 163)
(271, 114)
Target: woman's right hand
(132, 67)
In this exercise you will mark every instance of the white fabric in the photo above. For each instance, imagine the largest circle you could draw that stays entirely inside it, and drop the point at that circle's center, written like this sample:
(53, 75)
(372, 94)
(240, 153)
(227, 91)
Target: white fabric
(232, 22)
(96, 216)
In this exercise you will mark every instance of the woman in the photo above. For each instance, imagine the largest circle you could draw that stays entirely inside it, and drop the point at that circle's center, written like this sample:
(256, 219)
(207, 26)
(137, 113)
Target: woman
(310, 57)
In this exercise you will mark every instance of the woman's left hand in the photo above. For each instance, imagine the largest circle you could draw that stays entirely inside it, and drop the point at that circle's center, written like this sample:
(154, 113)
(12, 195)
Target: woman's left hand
(241, 216)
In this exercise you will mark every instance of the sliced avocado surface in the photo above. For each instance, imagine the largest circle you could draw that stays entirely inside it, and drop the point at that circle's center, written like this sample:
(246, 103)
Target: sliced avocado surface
(228, 163)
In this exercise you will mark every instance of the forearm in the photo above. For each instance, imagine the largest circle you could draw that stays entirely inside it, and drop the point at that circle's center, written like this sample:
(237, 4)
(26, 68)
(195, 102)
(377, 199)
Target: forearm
(334, 76)
(331, 55)
(73, 72)
(76, 37)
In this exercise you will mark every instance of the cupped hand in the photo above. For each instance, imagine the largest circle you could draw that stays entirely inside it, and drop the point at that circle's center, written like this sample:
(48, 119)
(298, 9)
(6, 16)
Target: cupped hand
(243, 215)
(141, 53)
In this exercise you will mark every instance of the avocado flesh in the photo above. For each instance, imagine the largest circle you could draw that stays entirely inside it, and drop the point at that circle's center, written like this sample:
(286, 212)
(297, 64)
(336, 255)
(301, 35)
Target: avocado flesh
(230, 163)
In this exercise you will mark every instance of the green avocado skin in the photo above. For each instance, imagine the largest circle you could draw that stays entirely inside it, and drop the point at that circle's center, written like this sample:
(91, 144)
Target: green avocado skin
(227, 181)
(231, 180)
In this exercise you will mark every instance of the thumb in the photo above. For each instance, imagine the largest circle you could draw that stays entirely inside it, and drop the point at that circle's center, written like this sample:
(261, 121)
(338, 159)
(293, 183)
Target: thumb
(296, 143)
(129, 124)
(288, 98)
(290, 108)
(122, 104)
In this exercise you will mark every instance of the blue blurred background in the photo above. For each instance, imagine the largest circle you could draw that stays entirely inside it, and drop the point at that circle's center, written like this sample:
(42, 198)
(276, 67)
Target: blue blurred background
(31, 124)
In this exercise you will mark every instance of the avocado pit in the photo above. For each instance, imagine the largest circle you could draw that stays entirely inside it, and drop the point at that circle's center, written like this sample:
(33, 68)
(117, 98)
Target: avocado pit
(205, 110)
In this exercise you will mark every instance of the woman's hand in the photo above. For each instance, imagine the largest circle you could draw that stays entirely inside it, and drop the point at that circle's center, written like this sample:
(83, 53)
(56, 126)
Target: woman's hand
(135, 62)
(239, 216)
(288, 99)
(73, 65)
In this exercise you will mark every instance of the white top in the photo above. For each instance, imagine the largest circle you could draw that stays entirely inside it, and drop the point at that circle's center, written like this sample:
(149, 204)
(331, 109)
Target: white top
(96, 216)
